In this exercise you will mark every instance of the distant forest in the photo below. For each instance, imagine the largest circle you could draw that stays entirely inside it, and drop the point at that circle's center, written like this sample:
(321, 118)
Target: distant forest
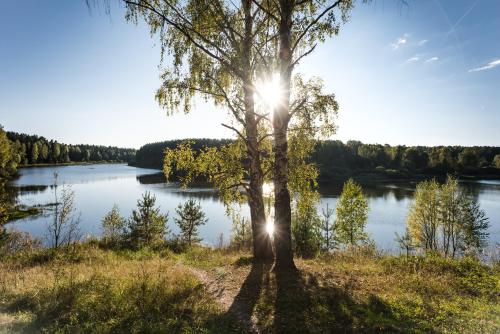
(151, 155)
(18, 149)
(338, 160)
(34, 150)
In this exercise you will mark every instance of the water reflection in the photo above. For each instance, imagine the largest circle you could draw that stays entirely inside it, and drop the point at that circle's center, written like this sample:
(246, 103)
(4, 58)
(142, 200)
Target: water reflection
(30, 189)
(399, 191)
(151, 178)
(99, 187)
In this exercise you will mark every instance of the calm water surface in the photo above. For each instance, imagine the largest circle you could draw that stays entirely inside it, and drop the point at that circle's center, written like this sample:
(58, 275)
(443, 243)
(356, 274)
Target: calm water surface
(99, 187)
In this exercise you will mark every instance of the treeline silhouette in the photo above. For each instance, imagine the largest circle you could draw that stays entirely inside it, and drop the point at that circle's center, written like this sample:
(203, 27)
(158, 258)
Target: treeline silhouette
(337, 160)
(151, 155)
(33, 150)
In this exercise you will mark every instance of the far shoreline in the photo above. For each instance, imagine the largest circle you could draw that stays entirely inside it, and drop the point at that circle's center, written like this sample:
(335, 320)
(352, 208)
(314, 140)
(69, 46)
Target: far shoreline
(79, 163)
(374, 176)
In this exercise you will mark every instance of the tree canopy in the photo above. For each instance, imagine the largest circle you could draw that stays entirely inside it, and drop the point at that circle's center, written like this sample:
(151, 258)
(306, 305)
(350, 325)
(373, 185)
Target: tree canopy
(33, 149)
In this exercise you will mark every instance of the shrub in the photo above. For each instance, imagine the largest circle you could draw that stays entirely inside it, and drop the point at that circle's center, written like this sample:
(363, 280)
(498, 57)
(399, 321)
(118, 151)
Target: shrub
(306, 232)
(113, 225)
(64, 228)
(443, 219)
(17, 241)
(352, 214)
(241, 237)
(496, 161)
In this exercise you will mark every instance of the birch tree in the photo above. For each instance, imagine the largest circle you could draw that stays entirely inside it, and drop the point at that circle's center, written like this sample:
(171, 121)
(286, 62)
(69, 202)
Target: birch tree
(220, 50)
(216, 49)
(298, 26)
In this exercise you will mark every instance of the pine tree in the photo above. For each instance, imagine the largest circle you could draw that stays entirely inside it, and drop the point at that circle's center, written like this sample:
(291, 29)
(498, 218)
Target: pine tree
(190, 218)
(474, 226)
(352, 214)
(306, 231)
(147, 226)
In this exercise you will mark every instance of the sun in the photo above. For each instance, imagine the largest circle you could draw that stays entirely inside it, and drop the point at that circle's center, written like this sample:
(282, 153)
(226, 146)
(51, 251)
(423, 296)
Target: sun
(268, 189)
(269, 91)
(270, 227)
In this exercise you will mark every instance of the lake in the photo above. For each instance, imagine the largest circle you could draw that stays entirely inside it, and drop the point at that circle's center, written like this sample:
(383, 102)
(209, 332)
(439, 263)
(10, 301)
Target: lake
(98, 187)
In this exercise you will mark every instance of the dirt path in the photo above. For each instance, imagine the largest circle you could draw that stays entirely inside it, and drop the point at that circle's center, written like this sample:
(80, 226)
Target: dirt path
(8, 322)
(225, 297)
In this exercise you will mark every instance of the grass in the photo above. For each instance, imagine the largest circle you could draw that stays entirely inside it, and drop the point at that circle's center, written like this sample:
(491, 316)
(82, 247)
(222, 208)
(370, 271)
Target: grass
(361, 292)
(21, 212)
(103, 291)
(98, 290)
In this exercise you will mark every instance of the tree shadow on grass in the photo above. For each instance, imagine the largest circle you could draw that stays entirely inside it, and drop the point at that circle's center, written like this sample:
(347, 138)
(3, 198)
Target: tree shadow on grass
(244, 303)
(297, 302)
(306, 305)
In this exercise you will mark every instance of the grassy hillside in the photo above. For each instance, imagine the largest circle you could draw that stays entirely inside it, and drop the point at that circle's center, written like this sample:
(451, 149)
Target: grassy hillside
(92, 289)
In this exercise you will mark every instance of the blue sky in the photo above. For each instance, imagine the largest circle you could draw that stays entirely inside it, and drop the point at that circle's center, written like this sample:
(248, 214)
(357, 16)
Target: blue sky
(427, 74)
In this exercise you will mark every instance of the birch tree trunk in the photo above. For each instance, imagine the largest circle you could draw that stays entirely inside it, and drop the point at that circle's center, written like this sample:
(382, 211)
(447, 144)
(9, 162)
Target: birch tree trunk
(262, 248)
(281, 117)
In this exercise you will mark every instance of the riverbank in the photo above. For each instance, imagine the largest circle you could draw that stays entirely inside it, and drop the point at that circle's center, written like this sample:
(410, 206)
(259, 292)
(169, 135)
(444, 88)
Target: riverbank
(94, 289)
(72, 164)
(380, 175)
(363, 177)
(21, 212)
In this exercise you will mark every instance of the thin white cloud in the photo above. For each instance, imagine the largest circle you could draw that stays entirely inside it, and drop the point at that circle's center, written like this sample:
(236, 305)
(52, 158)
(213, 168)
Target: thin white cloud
(413, 59)
(400, 42)
(431, 60)
(490, 65)
(452, 30)
(422, 42)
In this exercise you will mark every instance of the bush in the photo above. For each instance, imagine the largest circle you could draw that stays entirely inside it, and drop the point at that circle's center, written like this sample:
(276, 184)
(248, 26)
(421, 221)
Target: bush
(113, 227)
(17, 241)
(64, 229)
(444, 220)
(352, 214)
(241, 238)
(306, 232)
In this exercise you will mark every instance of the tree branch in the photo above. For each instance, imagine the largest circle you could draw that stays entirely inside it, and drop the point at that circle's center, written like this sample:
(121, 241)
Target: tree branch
(297, 108)
(305, 54)
(228, 100)
(313, 22)
(185, 31)
(235, 130)
(267, 135)
(265, 10)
